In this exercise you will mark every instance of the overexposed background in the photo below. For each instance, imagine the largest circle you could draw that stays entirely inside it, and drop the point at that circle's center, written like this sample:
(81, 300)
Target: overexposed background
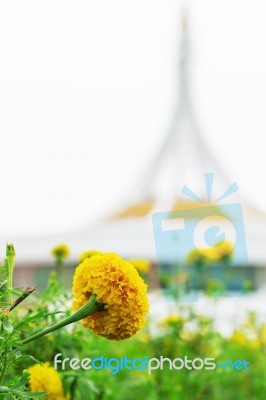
(88, 90)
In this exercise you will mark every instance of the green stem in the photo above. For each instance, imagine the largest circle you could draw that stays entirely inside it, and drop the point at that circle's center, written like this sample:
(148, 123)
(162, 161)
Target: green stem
(4, 365)
(59, 265)
(9, 267)
(89, 308)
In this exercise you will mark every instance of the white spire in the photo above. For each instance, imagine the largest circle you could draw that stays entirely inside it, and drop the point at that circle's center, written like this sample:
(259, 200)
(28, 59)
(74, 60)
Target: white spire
(184, 156)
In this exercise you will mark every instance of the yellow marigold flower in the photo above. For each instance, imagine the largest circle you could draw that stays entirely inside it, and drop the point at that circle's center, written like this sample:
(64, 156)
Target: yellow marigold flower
(88, 254)
(218, 252)
(118, 286)
(224, 249)
(254, 344)
(142, 266)
(61, 251)
(210, 253)
(187, 335)
(44, 378)
(195, 257)
(144, 337)
(171, 320)
(242, 340)
(202, 255)
(262, 334)
(239, 338)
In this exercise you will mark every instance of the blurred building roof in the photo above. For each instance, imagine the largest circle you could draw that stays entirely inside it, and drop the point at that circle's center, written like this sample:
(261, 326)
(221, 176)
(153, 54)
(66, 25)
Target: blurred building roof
(176, 180)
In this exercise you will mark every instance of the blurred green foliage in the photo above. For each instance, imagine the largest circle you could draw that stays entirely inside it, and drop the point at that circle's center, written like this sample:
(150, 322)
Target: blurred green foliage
(183, 333)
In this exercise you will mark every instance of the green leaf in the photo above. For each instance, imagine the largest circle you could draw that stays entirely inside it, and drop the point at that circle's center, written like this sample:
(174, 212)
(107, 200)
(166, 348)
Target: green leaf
(7, 326)
(9, 396)
(40, 315)
(18, 355)
(89, 385)
(28, 356)
(19, 385)
(30, 395)
(3, 284)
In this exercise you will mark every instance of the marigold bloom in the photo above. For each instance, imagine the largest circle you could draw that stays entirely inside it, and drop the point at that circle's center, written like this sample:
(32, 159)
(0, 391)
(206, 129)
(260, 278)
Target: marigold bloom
(240, 339)
(262, 334)
(210, 254)
(44, 378)
(88, 254)
(216, 253)
(195, 257)
(142, 266)
(61, 251)
(118, 286)
(224, 249)
(171, 320)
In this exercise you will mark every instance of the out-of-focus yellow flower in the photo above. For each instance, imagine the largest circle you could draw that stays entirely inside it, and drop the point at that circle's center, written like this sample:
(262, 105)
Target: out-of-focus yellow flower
(142, 266)
(210, 253)
(118, 286)
(195, 257)
(88, 254)
(218, 252)
(44, 378)
(253, 344)
(239, 338)
(171, 320)
(144, 337)
(262, 334)
(242, 340)
(223, 249)
(187, 335)
(61, 251)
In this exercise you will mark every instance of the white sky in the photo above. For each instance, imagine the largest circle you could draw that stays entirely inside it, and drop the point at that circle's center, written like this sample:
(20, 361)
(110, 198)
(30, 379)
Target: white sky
(88, 89)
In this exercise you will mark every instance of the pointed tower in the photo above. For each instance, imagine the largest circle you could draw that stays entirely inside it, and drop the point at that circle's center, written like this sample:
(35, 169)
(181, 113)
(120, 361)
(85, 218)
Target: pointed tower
(183, 158)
